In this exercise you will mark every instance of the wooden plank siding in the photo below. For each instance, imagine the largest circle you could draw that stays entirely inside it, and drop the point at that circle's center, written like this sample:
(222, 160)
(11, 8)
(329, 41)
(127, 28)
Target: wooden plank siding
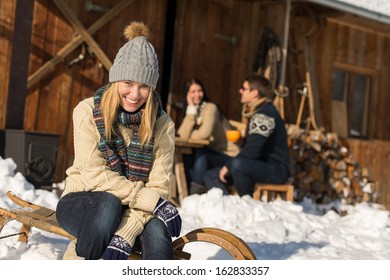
(49, 104)
(221, 64)
(374, 155)
(362, 46)
(7, 15)
(214, 40)
(346, 55)
(36, 58)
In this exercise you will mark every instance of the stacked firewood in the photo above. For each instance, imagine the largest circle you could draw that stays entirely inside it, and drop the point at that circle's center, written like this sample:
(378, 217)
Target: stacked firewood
(324, 170)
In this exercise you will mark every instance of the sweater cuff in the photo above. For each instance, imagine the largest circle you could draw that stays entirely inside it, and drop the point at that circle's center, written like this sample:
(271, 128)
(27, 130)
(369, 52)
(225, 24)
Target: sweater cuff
(191, 110)
(130, 228)
(146, 200)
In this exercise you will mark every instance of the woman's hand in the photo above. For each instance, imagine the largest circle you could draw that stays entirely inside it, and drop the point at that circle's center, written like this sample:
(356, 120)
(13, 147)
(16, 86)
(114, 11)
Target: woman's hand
(169, 215)
(191, 107)
(189, 100)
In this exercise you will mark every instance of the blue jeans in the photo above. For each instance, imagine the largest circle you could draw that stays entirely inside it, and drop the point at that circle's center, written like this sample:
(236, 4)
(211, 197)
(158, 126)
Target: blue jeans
(245, 173)
(205, 159)
(93, 218)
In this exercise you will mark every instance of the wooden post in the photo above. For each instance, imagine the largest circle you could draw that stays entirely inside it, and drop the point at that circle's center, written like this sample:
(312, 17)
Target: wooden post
(281, 89)
(285, 42)
(17, 88)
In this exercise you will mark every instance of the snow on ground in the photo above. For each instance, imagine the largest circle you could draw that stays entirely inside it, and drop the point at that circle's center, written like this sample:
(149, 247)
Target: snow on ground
(277, 230)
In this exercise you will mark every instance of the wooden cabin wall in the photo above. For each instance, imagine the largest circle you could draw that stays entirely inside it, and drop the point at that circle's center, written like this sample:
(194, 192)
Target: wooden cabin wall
(374, 155)
(339, 41)
(216, 41)
(342, 41)
(199, 49)
(363, 46)
(355, 46)
(198, 53)
(50, 102)
(7, 15)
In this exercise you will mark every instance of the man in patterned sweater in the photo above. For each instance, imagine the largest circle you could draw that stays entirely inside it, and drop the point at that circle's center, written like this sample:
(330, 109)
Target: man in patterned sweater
(264, 155)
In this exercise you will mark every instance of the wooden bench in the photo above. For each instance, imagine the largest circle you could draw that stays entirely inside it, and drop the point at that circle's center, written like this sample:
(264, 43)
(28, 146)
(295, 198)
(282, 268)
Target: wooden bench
(33, 215)
(271, 191)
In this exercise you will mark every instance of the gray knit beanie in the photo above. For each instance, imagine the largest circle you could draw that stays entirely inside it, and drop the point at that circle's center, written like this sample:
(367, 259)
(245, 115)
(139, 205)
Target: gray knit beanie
(136, 60)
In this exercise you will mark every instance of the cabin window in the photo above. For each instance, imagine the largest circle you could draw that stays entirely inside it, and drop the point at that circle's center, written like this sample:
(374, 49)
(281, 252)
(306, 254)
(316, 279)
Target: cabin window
(353, 90)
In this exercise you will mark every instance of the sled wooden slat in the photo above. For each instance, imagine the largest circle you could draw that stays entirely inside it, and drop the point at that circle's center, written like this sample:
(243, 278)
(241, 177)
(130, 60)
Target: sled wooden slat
(181, 255)
(3, 221)
(38, 214)
(24, 217)
(25, 229)
(21, 202)
(32, 215)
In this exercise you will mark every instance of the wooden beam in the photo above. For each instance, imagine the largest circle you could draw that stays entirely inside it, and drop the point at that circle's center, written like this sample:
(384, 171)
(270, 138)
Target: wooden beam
(312, 83)
(78, 26)
(19, 64)
(355, 69)
(362, 24)
(74, 43)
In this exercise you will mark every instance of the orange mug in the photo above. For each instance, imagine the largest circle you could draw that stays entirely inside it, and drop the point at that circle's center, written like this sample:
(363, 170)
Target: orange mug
(233, 135)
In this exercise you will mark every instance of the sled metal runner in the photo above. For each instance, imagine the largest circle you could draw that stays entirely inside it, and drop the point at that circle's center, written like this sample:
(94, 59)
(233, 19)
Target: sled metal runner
(33, 215)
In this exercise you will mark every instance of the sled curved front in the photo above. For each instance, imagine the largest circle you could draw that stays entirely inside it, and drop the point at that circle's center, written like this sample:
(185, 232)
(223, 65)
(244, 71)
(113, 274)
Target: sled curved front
(234, 245)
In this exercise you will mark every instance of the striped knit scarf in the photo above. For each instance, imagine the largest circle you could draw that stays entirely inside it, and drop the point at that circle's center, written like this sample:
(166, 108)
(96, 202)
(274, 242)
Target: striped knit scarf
(134, 161)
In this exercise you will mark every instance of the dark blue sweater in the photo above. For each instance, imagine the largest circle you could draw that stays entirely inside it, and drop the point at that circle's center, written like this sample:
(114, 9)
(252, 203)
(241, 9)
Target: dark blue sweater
(266, 137)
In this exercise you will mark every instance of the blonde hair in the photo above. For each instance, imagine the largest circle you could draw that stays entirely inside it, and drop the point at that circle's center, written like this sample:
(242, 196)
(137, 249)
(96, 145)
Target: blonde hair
(110, 106)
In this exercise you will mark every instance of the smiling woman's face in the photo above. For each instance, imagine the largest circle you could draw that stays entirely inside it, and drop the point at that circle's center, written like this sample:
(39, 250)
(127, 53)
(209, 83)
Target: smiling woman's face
(133, 95)
(195, 94)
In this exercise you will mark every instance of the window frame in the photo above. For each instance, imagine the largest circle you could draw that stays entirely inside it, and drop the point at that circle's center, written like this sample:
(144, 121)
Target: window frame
(351, 75)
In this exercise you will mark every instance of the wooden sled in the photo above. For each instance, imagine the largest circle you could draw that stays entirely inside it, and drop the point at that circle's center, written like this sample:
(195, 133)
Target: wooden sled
(32, 215)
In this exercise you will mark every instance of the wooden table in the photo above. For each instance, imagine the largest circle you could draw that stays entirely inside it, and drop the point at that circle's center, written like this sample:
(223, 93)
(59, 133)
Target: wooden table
(183, 146)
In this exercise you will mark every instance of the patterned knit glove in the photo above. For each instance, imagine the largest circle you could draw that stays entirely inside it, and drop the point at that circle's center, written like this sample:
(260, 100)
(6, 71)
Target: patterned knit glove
(170, 216)
(117, 249)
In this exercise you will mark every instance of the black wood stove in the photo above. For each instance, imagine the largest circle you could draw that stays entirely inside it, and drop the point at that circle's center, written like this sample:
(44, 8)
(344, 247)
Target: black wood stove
(34, 153)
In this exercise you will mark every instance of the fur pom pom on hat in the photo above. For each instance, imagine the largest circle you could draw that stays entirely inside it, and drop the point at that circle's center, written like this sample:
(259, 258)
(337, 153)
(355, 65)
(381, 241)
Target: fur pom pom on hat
(136, 60)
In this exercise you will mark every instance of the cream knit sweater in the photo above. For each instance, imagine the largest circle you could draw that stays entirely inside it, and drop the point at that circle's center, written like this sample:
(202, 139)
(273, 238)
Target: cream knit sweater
(90, 173)
(212, 128)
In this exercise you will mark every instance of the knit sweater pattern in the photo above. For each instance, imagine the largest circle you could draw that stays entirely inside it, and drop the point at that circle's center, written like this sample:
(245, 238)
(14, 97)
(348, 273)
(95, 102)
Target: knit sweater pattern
(266, 137)
(90, 172)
